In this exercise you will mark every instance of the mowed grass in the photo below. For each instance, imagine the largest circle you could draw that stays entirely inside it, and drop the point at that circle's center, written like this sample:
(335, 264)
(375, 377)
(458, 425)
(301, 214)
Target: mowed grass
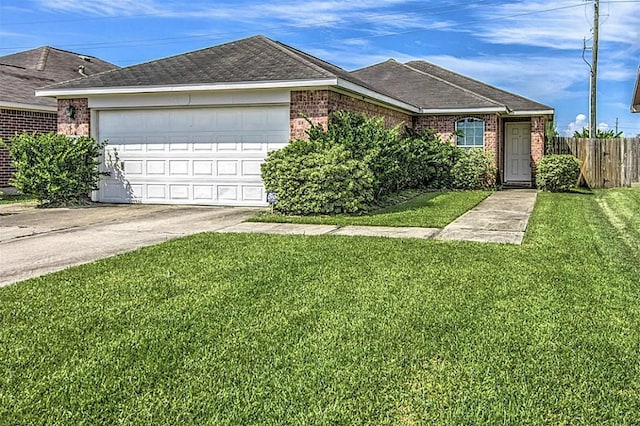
(257, 329)
(428, 210)
(15, 198)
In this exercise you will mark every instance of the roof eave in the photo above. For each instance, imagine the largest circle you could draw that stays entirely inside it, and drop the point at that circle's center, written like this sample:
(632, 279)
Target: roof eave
(635, 103)
(244, 85)
(27, 107)
(533, 112)
(485, 110)
(352, 87)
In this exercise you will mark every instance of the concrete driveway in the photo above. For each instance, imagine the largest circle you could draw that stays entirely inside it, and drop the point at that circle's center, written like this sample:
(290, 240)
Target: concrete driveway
(36, 241)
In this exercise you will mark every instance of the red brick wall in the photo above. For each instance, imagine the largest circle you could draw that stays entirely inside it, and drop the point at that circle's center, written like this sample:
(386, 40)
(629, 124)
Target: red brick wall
(445, 126)
(316, 105)
(341, 102)
(307, 104)
(538, 125)
(80, 125)
(17, 121)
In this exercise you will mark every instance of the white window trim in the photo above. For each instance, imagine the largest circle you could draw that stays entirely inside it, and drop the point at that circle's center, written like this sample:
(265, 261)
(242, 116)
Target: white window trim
(465, 120)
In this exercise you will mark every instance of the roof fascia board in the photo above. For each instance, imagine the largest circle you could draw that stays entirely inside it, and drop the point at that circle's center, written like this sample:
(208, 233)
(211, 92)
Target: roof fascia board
(635, 103)
(27, 107)
(486, 110)
(352, 87)
(534, 112)
(186, 88)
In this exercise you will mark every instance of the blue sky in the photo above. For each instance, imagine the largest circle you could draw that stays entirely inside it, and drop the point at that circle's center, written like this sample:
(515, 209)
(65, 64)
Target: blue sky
(533, 48)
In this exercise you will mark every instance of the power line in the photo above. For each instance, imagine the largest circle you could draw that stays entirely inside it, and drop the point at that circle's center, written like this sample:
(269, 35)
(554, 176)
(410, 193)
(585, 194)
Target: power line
(216, 36)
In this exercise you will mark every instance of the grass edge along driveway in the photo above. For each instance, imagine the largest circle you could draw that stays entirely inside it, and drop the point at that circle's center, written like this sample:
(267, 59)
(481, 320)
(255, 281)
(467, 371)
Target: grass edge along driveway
(263, 329)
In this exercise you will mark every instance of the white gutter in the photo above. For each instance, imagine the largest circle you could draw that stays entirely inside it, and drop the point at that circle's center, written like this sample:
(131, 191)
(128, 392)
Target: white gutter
(185, 88)
(486, 110)
(28, 107)
(538, 112)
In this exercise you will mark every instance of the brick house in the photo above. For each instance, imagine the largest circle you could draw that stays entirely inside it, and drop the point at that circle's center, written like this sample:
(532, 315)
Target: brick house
(20, 75)
(194, 128)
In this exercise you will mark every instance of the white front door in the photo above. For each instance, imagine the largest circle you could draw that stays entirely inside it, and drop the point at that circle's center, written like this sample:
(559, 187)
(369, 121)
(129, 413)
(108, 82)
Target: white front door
(517, 155)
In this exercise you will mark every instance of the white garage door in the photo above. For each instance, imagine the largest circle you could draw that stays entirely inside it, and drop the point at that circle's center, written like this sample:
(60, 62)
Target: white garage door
(189, 155)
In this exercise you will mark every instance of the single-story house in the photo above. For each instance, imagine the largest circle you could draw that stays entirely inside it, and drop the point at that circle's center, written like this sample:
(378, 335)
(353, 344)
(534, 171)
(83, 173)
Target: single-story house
(635, 102)
(20, 75)
(195, 128)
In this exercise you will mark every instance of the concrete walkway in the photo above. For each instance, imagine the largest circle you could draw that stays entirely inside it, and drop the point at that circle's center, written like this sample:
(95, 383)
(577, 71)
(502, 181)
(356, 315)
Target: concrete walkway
(501, 218)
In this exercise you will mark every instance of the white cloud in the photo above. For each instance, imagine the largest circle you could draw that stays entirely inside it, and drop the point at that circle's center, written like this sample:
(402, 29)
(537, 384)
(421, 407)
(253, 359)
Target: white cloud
(106, 7)
(577, 125)
(529, 76)
(524, 23)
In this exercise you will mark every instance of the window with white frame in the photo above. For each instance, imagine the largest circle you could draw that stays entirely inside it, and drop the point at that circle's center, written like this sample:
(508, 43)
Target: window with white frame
(470, 133)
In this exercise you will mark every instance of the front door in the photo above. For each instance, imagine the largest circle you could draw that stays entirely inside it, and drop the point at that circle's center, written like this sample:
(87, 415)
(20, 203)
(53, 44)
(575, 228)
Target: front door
(517, 152)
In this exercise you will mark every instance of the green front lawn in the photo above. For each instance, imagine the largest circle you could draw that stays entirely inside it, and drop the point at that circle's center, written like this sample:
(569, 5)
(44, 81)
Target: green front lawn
(258, 329)
(428, 210)
(17, 198)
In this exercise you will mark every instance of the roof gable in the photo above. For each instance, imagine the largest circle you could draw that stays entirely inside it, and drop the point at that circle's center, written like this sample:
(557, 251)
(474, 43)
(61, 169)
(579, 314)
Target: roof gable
(23, 72)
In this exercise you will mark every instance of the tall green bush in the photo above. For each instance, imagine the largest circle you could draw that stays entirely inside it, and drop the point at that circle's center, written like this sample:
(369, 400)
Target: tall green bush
(312, 178)
(353, 162)
(474, 169)
(53, 168)
(557, 173)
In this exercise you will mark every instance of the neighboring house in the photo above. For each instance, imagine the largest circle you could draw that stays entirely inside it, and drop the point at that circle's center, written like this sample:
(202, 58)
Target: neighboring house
(195, 128)
(20, 75)
(635, 103)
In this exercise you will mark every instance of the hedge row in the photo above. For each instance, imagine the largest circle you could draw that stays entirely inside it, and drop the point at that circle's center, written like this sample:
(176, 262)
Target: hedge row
(357, 160)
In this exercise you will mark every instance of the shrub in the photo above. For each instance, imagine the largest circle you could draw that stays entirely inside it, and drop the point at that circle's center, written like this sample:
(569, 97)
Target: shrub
(55, 169)
(473, 170)
(557, 173)
(431, 160)
(355, 161)
(311, 179)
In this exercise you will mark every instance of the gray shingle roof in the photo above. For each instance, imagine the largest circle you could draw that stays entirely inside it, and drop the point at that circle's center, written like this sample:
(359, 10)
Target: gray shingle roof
(420, 89)
(512, 101)
(253, 59)
(23, 72)
(259, 59)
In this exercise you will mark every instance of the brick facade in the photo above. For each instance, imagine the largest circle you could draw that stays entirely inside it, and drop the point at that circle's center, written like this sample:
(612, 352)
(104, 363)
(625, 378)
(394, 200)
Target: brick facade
(341, 102)
(80, 125)
(17, 121)
(316, 105)
(312, 105)
(538, 128)
(445, 126)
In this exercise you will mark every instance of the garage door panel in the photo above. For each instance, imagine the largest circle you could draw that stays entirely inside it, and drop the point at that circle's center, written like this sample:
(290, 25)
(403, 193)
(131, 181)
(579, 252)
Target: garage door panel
(203, 146)
(202, 155)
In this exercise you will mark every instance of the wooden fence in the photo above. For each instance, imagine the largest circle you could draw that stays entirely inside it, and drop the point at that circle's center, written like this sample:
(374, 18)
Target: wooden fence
(606, 163)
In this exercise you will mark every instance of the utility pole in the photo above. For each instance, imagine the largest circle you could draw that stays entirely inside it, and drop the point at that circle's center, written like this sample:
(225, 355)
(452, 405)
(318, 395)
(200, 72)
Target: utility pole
(594, 72)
